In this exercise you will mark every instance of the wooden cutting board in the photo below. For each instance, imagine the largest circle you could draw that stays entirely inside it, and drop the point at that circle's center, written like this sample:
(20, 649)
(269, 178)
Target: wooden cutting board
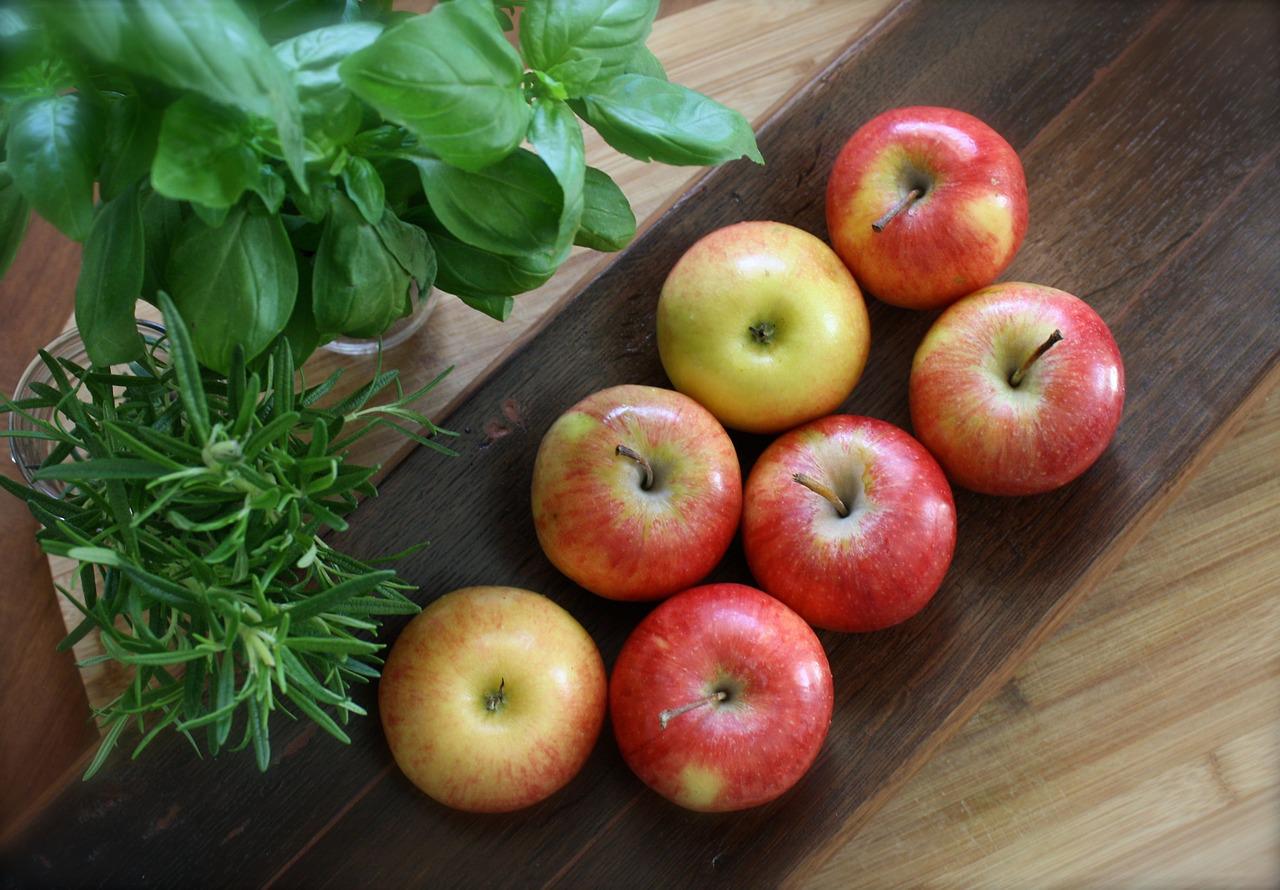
(1149, 135)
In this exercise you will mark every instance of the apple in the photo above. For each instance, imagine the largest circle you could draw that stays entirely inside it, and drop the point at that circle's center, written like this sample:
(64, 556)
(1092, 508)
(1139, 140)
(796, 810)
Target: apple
(492, 698)
(926, 205)
(762, 324)
(636, 492)
(849, 521)
(1017, 389)
(721, 698)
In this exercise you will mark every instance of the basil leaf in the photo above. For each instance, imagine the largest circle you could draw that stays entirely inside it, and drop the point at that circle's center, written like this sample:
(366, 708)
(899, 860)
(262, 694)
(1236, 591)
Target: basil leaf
(466, 271)
(490, 304)
(161, 220)
(270, 188)
(213, 217)
(510, 207)
(109, 283)
(607, 220)
(575, 75)
(210, 47)
(644, 62)
(410, 247)
(651, 119)
(233, 284)
(203, 154)
(555, 134)
(301, 331)
(451, 78)
(357, 288)
(364, 187)
(132, 130)
(552, 31)
(280, 19)
(312, 59)
(14, 213)
(52, 150)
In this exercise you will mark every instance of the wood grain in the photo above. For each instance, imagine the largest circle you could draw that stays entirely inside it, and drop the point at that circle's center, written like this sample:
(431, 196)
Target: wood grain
(1140, 746)
(1142, 130)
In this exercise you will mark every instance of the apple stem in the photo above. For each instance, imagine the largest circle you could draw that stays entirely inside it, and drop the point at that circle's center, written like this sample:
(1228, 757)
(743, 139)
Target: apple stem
(671, 713)
(1016, 377)
(825, 490)
(493, 699)
(910, 198)
(632, 454)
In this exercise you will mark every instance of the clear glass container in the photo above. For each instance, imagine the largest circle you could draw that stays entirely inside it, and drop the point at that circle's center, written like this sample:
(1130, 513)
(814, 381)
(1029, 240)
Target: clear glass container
(393, 336)
(28, 454)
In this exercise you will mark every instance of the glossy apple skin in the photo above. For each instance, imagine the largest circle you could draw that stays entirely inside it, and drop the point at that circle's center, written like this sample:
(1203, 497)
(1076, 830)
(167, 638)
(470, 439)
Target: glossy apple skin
(599, 526)
(959, 236)
(994, 438)
(869, 570)
(450, 657)
(763, 273)
(748, 749)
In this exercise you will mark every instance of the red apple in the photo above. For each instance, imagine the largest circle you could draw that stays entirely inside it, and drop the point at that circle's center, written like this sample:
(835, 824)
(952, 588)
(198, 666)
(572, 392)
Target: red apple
(721, 698)
(925, 205)
(762, 323)
(849, 521)
(1017, 389)
(492, 698)
(636, 492)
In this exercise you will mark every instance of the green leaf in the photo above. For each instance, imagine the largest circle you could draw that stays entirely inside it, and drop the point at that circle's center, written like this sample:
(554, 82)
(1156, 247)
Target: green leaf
(312, 60)
(161, 220)
(470, 272)
(576, 75)
(324, 601)
(301, 331)
(110, 282)
(652, 119)
(52, 148)
(450, 77)
(234, 284)
(553, 32)
(607, 220)
(209, 47)
(512, 207)
(213, 217)
(102, 468)
(491, 305)
(182, 355)
(14, 213)
(364, 187)
(644, 62)
(312, 710)
(203, 154)
(410, 246)
(556, 135)
(132, 130)
(270, 188)
(358, 288)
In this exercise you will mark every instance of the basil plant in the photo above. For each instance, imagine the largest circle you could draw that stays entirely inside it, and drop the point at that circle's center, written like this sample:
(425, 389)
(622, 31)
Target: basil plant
(293, 168)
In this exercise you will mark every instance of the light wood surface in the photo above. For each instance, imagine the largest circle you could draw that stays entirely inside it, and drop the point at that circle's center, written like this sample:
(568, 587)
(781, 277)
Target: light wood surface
(1139, 746)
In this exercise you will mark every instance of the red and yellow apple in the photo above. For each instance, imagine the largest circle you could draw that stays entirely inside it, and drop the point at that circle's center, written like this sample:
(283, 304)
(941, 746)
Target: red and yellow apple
(849, 521)
(492, 698)
(721, 698)
(1017, 389)
(636, 492)
(761, 323)
(925, 205)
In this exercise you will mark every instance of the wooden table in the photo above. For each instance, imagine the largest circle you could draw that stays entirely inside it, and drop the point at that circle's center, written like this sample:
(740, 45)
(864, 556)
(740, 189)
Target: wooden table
(1142, 737)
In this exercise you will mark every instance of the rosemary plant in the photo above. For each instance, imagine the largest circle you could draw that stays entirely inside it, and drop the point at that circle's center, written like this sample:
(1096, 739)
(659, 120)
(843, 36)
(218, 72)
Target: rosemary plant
(196, 506)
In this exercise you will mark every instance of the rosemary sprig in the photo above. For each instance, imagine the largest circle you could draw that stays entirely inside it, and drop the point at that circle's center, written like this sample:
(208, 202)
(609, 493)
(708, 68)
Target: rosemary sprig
(196, 506)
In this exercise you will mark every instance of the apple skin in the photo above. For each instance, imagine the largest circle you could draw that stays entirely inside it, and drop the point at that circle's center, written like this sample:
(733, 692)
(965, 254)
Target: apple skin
(994, 438)
(738, 753)
(433, 699)
(596, 522)
(959, 236)
(869, 570)
(811, 332)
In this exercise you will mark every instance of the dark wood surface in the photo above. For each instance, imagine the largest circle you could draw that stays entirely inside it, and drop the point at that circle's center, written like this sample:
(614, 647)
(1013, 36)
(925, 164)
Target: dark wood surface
(1149, 133)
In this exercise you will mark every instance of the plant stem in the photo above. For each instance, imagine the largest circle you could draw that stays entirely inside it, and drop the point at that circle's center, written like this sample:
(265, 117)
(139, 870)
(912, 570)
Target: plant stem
(825, 490)
(633, 455)
(910, 198)
(1016, 377)
(671, 713)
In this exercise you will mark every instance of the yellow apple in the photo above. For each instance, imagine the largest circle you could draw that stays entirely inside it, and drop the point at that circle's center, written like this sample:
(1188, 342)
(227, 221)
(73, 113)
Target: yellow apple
(762, 323)
(492, 698)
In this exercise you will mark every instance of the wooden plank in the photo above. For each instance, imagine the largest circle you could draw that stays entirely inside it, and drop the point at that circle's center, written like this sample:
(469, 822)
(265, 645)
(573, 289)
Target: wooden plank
(1140, 746)
(1205, 271)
